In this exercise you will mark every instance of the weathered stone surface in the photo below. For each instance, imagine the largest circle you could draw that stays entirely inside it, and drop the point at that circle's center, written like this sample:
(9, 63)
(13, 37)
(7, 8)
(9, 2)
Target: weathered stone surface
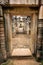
(41, 12)
(21, 52)
(23, 62)
(24, 2)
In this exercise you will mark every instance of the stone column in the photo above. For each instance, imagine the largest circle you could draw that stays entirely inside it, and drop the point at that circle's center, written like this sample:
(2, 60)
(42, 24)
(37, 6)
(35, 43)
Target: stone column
(41, 12)
(8, 31)
(40, 34)
(33, 32)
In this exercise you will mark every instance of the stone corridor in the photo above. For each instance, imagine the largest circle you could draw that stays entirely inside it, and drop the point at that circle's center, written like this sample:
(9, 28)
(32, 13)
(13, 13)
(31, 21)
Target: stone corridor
(21, 45)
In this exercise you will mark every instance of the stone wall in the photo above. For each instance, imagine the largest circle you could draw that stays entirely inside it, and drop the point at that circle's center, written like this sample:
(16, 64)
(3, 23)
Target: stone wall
(2, 35)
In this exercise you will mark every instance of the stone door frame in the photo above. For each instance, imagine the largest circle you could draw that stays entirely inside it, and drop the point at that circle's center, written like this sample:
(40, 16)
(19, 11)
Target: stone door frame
(17, 11)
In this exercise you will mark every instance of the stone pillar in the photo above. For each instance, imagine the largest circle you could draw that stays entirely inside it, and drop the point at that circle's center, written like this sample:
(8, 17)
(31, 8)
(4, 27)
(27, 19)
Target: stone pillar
(41, 12)
(8, 31)
(33, 32)
(40, 34)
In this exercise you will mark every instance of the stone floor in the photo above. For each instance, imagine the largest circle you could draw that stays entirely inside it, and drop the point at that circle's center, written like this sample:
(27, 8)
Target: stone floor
(21, 45)
(21, 40)
(23, 62)
(21, 52)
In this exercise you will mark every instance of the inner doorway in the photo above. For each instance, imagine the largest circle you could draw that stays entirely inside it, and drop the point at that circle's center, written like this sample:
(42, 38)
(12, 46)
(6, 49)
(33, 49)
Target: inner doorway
(21, 31)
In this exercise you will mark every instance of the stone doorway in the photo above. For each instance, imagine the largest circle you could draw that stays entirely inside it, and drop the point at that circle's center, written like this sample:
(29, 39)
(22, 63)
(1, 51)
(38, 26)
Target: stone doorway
(21, 32)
